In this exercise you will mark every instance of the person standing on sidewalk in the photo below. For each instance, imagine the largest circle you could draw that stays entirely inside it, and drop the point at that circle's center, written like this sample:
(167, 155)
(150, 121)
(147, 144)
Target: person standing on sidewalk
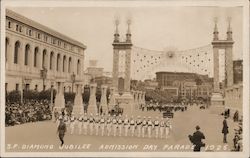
(225, 130)
(61, 130)
(196, 139)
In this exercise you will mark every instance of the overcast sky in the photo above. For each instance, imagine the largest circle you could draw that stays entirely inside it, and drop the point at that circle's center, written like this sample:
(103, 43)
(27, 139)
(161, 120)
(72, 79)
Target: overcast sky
(152, 27)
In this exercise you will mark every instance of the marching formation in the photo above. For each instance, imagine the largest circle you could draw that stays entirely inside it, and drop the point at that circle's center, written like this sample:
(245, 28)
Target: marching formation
(107, 125)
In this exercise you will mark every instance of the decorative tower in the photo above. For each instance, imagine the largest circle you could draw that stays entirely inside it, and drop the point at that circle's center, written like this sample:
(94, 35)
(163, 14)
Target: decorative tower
(217, 99)
(229, 30)
(216, 33)
(128, 34)
(116, 35)
(125, 100)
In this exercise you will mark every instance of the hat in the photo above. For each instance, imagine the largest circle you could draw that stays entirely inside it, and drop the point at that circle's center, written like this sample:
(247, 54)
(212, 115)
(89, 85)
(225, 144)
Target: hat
(197, 127)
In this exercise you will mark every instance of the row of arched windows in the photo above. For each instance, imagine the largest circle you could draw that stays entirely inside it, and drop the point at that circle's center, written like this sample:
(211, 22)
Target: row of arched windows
(44, 58)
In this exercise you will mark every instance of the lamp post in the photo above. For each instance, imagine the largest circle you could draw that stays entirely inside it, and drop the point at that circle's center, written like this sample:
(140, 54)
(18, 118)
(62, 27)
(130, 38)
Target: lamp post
(51, 101)
(22, 91)
(73, 78)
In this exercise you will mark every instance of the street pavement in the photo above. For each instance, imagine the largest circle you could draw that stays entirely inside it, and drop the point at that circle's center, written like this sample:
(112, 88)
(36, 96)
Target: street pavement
(42, 136)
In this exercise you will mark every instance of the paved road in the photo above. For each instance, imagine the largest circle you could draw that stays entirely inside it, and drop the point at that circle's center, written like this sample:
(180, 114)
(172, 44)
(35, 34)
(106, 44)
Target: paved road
(25, 137)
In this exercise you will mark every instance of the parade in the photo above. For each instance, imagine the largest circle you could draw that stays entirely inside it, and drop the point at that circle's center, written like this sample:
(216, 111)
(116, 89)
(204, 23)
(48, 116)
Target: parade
(107, 125)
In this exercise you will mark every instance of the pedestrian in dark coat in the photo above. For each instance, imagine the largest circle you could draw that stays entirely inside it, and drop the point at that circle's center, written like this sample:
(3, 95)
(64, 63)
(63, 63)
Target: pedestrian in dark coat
(225, 130)
(196, 139)
(61, 130)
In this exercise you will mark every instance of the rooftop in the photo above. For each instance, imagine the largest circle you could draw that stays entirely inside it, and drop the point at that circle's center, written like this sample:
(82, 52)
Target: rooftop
(23, 19)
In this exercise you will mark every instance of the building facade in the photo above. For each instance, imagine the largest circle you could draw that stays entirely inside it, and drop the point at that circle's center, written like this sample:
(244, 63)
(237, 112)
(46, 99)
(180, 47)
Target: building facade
(185, 86)
(37, 56)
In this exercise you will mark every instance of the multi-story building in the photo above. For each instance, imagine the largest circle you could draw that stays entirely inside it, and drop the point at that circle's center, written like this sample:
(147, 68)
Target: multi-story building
(238, 71)
(37, 56)
(187, 86)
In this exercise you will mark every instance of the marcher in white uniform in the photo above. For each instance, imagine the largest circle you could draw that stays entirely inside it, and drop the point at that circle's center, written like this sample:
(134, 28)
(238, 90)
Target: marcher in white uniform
(138, 126)
(168, 126)
(80, 123)
(91, 124)
(126, 125)
(120, 124)
(144, 126)
(97, 120)
(162, 127)
(72, 123)
(66, 120)
(109, 125)
(102, 124)
(156, 127)
(114, 124)
(85, 124)
(150, 126)
(132, 126)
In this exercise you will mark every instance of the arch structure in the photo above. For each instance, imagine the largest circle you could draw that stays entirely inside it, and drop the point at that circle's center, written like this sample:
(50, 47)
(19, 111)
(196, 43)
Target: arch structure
(145, 63)
(33, 49)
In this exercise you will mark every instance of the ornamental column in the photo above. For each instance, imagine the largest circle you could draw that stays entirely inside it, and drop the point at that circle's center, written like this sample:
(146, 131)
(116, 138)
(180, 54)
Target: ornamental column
(103, 103)
(112, 100)
(127, 71)
(92, 107)
(216, 70)
(78, 108)
(59, 99)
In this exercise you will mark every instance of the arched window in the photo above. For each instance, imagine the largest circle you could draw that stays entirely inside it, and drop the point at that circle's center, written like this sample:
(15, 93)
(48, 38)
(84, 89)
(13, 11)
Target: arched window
(35, 56)
(30, 33)
(6, 48)
(51, 60)
(57, 62)
(26, 57)
(17, 27)
(16, 53)
(64, 63)
(44, 58)
(69, 65)
(78, 67)
(9, 24)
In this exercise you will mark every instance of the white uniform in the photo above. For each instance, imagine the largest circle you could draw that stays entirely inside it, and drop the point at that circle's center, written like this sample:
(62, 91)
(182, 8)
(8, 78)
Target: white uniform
(80, 122)
(162, 127)
(144, 127)
(114, 124)
(138, 127)
(85, 125)
(156, 127)
(126, 126)
(72, 124)
(168, 127)
(150, 126)
(102, 124)
(120, 126)
(97, 121)
(132, 126)
(109, 124)
(66, 120)
(91, 124)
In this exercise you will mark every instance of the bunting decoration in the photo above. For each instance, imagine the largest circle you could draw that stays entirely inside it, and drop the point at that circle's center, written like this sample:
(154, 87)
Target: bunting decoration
(145, 62)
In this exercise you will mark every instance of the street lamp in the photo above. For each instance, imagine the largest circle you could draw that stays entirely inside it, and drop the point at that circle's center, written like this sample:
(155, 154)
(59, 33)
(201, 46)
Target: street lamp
(44, 76)
(73, 78)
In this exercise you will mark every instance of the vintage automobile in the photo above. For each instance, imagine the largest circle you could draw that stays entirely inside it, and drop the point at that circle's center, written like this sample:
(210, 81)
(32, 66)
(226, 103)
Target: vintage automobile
(168, 114)
(116, 111)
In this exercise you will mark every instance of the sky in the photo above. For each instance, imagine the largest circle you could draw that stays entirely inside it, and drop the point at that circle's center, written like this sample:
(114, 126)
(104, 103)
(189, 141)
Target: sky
(155, 28)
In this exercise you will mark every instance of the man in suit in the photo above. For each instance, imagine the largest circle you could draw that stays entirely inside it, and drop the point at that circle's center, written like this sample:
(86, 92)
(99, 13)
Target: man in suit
(61, 130)
(196, 139)
(225, 130)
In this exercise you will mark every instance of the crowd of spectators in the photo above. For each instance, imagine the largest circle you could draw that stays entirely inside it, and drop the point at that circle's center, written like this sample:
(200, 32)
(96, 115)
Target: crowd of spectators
(29, 111)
